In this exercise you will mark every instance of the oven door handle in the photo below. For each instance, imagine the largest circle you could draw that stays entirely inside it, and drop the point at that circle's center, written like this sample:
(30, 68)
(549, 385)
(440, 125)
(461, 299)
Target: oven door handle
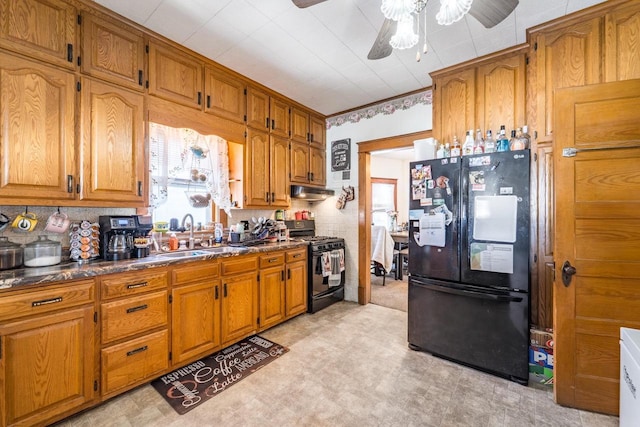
(328, 294)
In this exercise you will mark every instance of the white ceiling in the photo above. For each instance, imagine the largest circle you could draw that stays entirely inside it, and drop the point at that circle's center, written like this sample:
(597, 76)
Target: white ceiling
(318, 55)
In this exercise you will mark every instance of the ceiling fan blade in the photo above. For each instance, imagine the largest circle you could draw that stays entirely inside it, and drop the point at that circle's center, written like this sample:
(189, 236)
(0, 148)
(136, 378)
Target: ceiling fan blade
(381, 47)
(492, 12)
(306, 3)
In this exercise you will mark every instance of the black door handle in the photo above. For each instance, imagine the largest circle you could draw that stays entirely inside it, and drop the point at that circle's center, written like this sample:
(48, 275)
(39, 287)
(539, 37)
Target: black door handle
(567, 271)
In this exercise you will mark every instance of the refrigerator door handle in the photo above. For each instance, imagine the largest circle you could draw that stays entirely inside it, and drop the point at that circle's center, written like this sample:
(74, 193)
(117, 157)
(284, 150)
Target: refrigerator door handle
(471, 294)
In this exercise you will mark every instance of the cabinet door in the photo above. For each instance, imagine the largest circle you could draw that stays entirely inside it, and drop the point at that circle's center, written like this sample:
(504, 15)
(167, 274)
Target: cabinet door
(257, 169)
(112, 51)
(564, 57)
(279, 179)
(317, 130)
(47, 366)
(225, 95)
(542, 312)
(454, 105)
(239, 306)
(622, 26)
(501, 94)
(317, 166)
(299, 162)
(36, 132)
(42, 29)
(271, 296)
(174, 75)
(257, 109)
(299, 125)
(112, 132)
(279, 116)
(195, 315)
(296, 288)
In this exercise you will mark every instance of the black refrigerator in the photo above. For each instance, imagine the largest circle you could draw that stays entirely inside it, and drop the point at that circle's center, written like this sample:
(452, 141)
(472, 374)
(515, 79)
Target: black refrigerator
(469, 261)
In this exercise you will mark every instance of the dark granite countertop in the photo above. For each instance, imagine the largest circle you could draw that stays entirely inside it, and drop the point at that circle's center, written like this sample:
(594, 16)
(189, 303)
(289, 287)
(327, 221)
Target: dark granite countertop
(25, 277)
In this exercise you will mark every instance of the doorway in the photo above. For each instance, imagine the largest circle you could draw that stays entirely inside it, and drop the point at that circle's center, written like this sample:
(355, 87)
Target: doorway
(365, 149)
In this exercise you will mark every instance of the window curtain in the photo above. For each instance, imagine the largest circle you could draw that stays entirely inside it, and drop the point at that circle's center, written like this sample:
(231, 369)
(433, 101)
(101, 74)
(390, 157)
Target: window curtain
(182, 156)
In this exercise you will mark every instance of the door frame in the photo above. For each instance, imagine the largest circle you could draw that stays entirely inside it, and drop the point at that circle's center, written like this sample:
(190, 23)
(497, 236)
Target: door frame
(364, 202)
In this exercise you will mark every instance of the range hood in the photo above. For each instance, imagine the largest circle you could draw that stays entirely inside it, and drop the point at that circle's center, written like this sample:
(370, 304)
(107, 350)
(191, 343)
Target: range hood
(312, 194)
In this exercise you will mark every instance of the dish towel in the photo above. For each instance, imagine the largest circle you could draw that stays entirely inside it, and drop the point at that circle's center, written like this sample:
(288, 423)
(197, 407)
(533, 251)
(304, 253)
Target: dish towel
(325, 261)
(337, 267)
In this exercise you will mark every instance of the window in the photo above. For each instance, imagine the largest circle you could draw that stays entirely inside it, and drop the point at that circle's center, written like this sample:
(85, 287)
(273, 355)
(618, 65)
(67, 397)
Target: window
(189, 172)
(383, 201)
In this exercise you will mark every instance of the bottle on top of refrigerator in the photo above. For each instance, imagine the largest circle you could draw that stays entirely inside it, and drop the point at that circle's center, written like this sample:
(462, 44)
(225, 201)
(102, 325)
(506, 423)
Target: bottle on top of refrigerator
(478, 144)
(440, 152)
(516, 142)
(455, 147)
(502, 142)
(526, 138)
(489, 143)
(447, 150)
(467, 147)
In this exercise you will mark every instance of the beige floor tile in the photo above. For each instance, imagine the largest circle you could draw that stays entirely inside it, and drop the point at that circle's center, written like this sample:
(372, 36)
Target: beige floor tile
(349, 365)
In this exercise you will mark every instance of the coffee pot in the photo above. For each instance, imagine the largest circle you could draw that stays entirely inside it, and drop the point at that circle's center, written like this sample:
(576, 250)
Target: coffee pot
(120, 243)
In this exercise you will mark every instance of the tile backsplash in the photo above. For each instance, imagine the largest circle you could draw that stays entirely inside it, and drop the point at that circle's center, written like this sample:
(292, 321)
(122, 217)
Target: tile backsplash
(42, 213)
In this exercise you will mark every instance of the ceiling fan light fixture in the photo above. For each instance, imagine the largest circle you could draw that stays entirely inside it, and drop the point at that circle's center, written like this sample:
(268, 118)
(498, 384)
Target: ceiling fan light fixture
(397, 9)
(452, 11)
(405, 37)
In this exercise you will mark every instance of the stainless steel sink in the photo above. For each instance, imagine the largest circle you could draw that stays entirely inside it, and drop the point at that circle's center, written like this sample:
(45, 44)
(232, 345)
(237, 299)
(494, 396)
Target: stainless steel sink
(182, 254)
(201, 252)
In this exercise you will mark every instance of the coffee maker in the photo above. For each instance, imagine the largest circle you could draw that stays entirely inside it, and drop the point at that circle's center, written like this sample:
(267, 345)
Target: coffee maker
(118, 234)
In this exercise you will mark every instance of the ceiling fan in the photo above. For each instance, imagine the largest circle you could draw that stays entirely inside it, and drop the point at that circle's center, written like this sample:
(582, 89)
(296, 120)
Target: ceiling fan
(488, 12)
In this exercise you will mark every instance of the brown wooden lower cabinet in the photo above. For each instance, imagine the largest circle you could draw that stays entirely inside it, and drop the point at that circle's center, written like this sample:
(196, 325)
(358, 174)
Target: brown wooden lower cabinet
(143, 324)
(47, 364)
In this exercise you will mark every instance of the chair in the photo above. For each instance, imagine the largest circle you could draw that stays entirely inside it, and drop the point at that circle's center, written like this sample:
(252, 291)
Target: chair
(381, 251)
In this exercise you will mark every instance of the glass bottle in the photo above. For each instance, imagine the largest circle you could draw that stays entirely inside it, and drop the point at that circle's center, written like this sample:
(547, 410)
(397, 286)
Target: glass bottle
(502, 142)
(467, 147)
(440, 154)
(455, 147)
(526, 138)
(447, 150)
(514, 144)
(478, 144)
(489, 143)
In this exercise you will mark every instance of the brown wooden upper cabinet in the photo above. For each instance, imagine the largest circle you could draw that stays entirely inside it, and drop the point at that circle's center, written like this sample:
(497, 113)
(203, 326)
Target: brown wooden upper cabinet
(42, 29)
(266, 165)
(225, 95)
(175, 75)
(481, 94)
(307, 127)
(565, 56)
(112, 139)
(307, 164)
(453, 104)
(37, 140)
(112, 51)
(267, 112)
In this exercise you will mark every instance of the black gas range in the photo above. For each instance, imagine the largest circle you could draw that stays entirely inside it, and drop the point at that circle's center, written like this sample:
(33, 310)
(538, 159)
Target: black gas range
(326, 264)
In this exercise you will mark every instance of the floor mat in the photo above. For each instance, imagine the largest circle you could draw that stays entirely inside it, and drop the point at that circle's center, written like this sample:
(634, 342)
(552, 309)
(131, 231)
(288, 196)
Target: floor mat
(189, 386)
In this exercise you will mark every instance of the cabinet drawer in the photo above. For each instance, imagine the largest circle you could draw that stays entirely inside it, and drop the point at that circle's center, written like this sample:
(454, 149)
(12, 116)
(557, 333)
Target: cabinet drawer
(270, 260)
(133, 315)
(195, 271)
(297, 255)
(134, 361)
(238, 265)
(121, 285)
(47, 299)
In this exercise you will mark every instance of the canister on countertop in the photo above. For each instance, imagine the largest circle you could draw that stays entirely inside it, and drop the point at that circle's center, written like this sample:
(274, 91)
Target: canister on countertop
(43, 252)
(10, 254)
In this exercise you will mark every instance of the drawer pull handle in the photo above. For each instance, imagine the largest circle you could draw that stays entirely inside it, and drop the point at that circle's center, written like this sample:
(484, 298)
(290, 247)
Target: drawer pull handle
(137, 350)
(273, 259)
(297, 255)
(138, 308)
(137, 285)
(46, 301)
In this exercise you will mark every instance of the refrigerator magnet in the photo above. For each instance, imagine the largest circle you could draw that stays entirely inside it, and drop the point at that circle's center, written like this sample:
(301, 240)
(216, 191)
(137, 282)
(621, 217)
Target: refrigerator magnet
(426, 201)
(479, 161)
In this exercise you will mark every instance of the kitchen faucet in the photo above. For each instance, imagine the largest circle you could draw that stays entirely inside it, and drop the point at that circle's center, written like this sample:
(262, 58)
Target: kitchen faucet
(191, 239)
